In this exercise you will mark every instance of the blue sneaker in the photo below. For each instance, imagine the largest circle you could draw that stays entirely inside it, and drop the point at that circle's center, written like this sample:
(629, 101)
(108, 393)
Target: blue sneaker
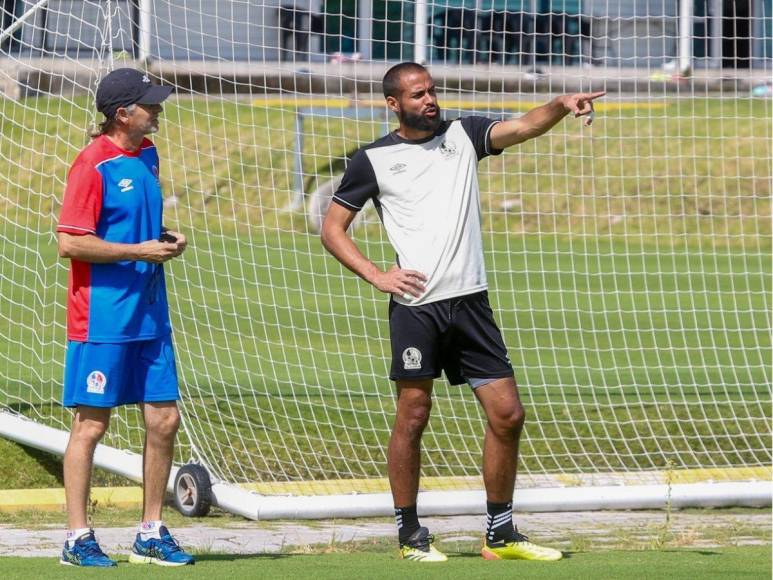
(163, 551)
(86, 552)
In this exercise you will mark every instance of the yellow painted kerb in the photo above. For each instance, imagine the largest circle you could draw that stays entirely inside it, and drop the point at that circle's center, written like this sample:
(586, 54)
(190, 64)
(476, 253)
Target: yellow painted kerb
(53, 499)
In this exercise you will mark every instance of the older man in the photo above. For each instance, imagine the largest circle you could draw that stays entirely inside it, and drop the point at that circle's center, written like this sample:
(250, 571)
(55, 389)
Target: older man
(119, 348)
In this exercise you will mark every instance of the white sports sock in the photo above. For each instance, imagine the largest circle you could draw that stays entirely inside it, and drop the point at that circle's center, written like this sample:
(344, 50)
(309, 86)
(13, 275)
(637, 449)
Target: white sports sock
(73, 535)
(148, 530)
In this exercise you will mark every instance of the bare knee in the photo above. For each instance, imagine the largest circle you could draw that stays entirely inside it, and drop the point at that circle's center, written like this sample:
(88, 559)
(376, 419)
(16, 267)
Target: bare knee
(163, 423)
(88, 431)
(411, 420)
(509, 423)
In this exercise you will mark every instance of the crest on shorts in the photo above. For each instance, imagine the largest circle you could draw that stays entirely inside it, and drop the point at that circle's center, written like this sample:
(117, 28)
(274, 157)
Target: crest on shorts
(411, 358)
(95, 383)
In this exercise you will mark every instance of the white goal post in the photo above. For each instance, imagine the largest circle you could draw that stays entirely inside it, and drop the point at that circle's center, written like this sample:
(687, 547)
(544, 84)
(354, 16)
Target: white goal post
(629, 262)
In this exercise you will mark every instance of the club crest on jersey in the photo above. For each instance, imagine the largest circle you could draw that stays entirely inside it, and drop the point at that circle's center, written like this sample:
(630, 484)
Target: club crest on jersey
(411, 358)
(398, 168)
(126, 184)
(448, 149)
(95, 383)
(146, 79)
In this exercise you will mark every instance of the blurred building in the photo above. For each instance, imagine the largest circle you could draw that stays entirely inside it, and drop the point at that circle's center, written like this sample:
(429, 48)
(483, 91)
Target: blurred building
(620, 33)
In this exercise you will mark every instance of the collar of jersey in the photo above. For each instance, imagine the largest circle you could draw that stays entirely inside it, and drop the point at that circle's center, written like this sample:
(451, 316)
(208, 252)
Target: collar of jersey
(439, 131)
(108, 144)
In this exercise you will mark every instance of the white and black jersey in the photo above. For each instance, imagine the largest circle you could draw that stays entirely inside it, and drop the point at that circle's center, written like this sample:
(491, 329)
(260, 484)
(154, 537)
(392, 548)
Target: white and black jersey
(426, 193)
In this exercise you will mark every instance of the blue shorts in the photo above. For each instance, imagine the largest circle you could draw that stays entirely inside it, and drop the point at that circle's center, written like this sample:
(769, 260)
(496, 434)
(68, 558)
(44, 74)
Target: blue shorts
(108, 374)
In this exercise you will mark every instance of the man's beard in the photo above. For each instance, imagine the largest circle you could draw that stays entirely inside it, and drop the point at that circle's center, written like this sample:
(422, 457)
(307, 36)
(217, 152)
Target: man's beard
(420, 122)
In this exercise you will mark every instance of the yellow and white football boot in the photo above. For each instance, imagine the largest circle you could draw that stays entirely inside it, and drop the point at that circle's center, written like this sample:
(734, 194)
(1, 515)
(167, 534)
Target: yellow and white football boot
(419, 548)
(518, 547)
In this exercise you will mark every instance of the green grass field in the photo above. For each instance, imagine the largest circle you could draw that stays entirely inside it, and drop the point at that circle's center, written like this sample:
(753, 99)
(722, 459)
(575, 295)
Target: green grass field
(719, 563)
(671, 544)
(632, 284)
(628, 397)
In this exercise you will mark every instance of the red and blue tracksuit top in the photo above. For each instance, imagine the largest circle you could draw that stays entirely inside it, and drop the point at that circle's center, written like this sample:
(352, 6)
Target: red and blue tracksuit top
(115, 195)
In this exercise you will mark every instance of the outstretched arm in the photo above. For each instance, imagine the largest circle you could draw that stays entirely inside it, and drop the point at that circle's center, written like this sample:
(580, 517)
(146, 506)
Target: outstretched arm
(337, 242)
(542, 119)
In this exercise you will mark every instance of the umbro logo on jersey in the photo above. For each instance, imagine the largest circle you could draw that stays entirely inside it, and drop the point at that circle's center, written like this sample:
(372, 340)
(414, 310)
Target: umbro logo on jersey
(398, 168)
(126, 184)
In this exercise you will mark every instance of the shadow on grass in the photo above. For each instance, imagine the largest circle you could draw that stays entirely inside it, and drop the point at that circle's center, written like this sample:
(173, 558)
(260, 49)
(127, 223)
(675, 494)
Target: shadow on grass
(567, 555)
(687, 550)
(234, 557)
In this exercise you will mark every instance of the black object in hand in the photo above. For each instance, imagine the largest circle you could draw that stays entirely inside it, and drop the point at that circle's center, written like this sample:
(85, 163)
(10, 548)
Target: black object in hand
(167, 237)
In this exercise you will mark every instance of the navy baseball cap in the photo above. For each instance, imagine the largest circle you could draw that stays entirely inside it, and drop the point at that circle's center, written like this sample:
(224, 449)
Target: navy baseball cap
(126, 86)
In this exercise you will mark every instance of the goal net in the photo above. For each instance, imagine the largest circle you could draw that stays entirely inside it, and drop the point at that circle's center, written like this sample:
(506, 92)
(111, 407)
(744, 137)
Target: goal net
(629, 262)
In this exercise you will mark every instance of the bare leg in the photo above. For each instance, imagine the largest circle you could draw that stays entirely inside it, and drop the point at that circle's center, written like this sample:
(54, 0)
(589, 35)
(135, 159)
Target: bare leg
(161, 423)
(88, 426)
(505, 415)
(414, 402)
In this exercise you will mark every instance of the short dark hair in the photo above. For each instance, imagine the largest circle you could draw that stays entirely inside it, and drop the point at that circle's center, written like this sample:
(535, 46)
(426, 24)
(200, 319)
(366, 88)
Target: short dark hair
(391, 82)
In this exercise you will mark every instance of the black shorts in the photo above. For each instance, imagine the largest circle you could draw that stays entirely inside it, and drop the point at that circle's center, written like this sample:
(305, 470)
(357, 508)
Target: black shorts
(457, 335)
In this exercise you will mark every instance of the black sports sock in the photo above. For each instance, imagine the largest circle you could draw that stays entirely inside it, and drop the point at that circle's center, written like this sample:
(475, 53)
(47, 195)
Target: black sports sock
(407, 522)
(499, 521)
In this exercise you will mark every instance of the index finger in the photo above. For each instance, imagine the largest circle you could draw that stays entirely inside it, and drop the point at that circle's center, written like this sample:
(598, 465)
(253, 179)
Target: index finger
(592, 96)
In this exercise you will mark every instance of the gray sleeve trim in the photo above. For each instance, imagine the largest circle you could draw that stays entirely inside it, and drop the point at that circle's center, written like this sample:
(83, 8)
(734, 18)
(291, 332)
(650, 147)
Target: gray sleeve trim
(487, 139)
(346, 203)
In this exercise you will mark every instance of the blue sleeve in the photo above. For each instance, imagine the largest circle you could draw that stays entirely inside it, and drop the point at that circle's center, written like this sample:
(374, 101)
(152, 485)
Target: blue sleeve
(358, 184)
(478, 129)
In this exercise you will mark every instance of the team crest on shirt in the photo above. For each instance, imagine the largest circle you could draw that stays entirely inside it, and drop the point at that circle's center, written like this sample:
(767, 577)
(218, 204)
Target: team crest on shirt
(126, 184)
(398, 168)
(411, 358)
(448, 149)
(95, 383)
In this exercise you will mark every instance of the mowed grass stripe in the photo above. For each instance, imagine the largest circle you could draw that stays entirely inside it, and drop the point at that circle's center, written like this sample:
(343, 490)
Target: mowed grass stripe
(376, 561)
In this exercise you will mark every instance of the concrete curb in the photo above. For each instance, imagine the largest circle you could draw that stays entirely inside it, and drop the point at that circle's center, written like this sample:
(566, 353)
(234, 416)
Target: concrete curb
(601, 530)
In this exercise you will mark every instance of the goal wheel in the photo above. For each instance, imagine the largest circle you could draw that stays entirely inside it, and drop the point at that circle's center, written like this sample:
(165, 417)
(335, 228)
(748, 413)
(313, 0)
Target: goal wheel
(192, 491)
